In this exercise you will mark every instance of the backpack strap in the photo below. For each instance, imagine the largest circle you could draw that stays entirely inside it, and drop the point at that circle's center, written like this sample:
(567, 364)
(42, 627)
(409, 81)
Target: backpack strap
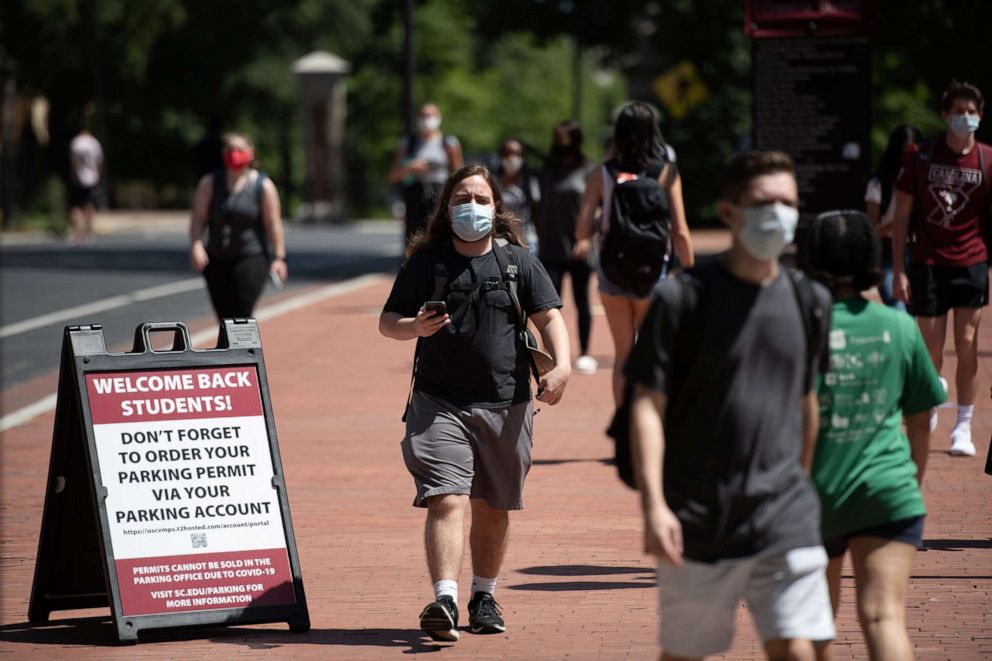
(812, 316)
(510, 272)
(438, 294)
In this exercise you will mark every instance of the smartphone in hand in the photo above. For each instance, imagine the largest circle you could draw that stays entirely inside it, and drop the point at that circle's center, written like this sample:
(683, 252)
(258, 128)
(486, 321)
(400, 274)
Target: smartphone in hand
(437, 307)
(276, 280)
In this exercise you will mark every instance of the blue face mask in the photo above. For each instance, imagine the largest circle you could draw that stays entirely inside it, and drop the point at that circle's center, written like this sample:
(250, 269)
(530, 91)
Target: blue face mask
(471, 221)
(963, 124)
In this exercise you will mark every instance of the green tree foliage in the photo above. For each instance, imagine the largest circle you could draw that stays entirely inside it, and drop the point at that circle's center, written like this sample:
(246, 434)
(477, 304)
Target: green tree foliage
(155, 72)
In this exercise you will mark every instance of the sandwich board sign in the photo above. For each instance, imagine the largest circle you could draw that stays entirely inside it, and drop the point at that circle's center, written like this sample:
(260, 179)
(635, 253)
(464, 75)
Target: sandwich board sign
(166, 499)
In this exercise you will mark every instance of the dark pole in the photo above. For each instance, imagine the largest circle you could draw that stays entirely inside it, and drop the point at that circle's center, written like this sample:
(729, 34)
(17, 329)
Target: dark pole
(408, 66)
(7, 89)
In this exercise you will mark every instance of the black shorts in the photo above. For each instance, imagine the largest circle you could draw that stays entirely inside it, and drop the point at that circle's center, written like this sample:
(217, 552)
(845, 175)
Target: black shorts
(81, 196)
(909, 531)
(933, 290)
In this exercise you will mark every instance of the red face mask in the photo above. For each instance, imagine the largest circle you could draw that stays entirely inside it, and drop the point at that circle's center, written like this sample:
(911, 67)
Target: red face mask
(236, 159)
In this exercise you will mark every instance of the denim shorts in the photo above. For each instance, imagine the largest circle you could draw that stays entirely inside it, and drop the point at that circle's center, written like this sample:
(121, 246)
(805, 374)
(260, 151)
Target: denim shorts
(611, 289)
(908, 531)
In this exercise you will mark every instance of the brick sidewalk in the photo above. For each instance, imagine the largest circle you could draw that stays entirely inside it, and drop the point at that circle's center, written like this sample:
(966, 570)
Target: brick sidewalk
(575, 583)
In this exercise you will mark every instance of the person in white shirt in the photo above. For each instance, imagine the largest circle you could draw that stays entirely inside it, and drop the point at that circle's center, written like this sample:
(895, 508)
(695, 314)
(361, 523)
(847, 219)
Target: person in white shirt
(86, 159)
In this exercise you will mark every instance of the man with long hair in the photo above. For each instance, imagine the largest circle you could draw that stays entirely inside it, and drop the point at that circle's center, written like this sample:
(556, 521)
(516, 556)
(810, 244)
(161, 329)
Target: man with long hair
(463, 294)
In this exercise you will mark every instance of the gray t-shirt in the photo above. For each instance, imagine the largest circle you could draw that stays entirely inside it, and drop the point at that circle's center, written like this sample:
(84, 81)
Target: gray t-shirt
(733, 424)
(477, 360)
(435, 151)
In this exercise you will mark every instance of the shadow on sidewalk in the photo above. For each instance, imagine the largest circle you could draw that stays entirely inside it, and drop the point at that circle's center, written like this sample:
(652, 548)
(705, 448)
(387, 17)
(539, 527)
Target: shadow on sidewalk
(956, 544)
(100, 632)
(646, 580)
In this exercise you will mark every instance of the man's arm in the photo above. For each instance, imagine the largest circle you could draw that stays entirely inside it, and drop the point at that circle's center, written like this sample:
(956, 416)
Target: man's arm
(396, 326)
(900, 228)
(554, 334)
(662, 530)
(811, 429)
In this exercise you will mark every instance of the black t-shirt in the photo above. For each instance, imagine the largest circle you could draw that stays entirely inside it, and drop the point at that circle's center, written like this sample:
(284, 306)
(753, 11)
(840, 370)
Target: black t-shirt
(477, 360)
(561, 196)
(733, 423)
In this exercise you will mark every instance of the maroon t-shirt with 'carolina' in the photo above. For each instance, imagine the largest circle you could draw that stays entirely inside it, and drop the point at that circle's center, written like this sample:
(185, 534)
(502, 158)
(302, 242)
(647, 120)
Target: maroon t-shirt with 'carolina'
(950, 197)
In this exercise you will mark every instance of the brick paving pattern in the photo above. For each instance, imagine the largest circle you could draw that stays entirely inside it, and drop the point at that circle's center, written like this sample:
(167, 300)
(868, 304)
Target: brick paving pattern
(575, 584)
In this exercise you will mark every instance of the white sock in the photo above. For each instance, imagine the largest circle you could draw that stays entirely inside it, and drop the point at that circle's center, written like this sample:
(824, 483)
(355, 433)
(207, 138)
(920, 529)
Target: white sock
(446, 587)
(481, 584)
(964, 414)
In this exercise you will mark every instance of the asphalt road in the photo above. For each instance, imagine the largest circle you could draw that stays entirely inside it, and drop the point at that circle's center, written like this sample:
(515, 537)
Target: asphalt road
(134, 276)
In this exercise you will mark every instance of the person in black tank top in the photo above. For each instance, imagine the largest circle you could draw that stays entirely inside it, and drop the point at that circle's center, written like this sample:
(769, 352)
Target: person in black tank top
(240, 208)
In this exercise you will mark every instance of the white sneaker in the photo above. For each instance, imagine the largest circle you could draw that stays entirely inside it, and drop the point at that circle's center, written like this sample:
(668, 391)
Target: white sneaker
(586, 365)
(961, 445)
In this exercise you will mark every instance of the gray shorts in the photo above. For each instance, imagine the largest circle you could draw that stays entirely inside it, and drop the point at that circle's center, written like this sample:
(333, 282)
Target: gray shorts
(482, 453)
(786, 593)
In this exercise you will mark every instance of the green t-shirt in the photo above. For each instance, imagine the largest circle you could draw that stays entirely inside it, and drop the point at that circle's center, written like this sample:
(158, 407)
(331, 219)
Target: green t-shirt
(879, 371)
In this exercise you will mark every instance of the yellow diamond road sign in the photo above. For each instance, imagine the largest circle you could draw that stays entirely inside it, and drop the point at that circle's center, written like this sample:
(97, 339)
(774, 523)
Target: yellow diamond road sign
(681, 89)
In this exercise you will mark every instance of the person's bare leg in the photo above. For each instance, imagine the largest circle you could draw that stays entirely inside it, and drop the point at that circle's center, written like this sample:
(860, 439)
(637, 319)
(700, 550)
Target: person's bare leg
(620, 318)
(444, 535)
(881, 574)
(789, 649)
(89, 212)
(76, 221)
(488, 539)
(966, 322)
(934, 332)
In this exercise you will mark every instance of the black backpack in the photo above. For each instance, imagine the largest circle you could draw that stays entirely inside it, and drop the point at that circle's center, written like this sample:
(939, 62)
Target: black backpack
(635, 249)
(688, 336)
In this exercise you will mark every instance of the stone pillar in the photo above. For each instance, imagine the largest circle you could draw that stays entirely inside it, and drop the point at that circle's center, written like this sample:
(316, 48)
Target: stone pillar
(323, 93)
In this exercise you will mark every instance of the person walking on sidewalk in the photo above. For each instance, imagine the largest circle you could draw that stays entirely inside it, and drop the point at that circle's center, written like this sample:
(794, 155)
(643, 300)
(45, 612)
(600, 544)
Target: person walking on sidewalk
(880, 201)
(421, 164)
(86, 161)
(240, 206)
(866, 470)
(469, 419)
(563, 183)
(722, 376)
(640, 153)
(944, 195)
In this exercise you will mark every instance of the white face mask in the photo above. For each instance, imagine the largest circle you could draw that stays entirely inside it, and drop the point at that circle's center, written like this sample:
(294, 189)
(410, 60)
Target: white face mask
(963, 124)
(429, 123)
(768, 229)
(512, 164)
(471, 222)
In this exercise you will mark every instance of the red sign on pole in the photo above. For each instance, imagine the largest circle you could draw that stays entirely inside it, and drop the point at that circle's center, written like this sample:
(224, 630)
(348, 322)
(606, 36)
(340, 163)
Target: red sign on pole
(807, 18)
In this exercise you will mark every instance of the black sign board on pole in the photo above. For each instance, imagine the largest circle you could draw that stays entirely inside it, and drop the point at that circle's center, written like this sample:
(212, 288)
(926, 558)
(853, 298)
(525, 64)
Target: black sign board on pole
(166, 499)
(812, 100)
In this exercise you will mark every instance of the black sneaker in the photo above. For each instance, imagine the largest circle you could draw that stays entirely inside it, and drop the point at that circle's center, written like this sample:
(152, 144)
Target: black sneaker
(484, 615)
(439, 619)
